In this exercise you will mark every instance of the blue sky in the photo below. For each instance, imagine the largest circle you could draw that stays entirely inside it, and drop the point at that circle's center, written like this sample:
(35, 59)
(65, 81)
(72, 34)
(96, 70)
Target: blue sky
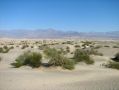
(75, 15)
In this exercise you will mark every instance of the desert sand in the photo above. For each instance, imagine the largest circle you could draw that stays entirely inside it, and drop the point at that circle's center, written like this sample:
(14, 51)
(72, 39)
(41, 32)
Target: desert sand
(83, 77)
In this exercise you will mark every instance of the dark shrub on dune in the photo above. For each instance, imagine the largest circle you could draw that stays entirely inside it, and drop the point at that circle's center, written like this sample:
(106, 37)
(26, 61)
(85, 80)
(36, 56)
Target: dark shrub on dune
(24, 46)
(5, 49)
(1, 49)
(113, 64)
(82, 56)
(58, 59)
(116, 58)
(115, 46)
(93, 52)
(32, 59)
(0, 58)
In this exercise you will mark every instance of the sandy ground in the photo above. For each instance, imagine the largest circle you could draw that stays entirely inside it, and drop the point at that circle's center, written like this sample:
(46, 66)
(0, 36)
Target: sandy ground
(92, 77)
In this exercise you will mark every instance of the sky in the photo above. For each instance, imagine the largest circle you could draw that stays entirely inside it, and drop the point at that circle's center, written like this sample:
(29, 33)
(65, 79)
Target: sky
(73, 15)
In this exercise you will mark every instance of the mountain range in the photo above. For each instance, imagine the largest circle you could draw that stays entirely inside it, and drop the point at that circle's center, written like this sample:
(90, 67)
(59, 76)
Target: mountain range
(52, 33)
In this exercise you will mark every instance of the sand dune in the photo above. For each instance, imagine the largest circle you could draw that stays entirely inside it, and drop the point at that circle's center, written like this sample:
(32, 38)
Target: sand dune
(84, 77)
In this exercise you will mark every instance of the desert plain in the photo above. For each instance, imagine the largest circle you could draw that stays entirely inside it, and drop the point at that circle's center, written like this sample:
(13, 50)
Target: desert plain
(83, 77)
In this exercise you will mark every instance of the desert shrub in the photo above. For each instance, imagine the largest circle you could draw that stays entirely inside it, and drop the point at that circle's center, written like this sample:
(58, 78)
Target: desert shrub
(32, 59)
(69, 64)
(24, 46)
(31, 46)
(69, 42)
(11, 47)
(82, 56)
(1, 49)
(106, 46)
(0, 58)
(77, 46)
(62, 51)
(57, 59)
(42, 47)
(115, 46)
(72, 53)
(116, 58)
(67, 49)
(114, 65)
(5, 49)
(94, 52)
(97, 47)
(86, 43)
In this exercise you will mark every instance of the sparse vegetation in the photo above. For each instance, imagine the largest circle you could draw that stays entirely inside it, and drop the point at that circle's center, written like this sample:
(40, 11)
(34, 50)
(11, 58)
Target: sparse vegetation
(42, 47)
(97, 47)
(116, 58)
(115, 46)
(32, 59)
(113, 64)
(77, 46)
(5, 49)
(24, 46)
(0, 58)
(32, 46)
(82, 56)
(106, 46)
(57, 59)
(67, 49)
(93, 52)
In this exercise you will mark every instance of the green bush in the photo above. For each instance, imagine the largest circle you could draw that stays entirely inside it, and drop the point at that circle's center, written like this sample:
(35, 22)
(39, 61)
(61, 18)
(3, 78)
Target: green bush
(1, 49)
(67, 49)
(115, 46)
(0, 58)
(82, 56)
(5, 49)
(116, 58)
(32, 59)
(77, 46)
(93, 52)
(57, 59)
(97, 47)
(106, 46)
(69, 64)
(11, 47)
(44, 46)
(24, 46)
(114, 65)
(32, 46)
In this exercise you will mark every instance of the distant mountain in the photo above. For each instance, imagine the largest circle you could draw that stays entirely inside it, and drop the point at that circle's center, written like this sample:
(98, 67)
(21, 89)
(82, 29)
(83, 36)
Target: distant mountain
(52, 33)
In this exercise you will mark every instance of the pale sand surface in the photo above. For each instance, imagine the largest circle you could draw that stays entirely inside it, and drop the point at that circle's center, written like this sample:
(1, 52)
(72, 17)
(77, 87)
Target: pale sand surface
(92, 77)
